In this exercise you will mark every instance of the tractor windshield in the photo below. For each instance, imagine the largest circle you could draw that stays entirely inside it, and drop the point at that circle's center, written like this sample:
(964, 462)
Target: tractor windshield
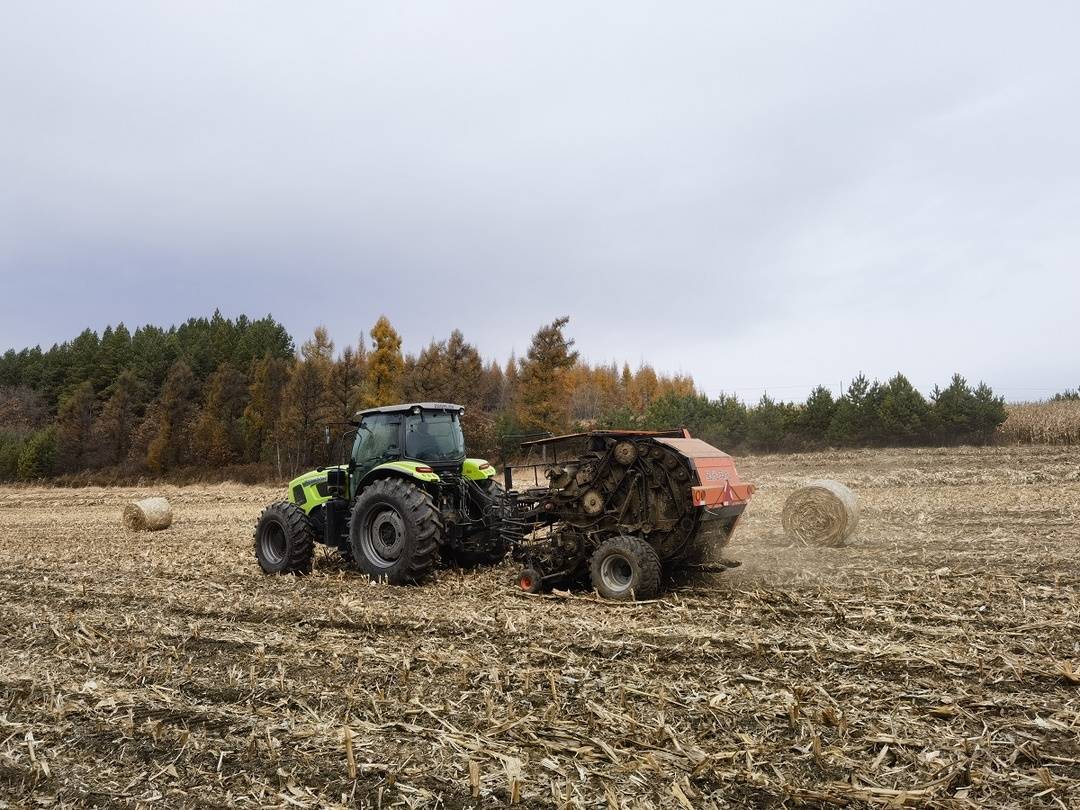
(434, 436)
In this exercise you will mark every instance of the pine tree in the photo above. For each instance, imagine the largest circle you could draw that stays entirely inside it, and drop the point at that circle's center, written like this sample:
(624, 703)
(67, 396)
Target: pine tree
(171, 418)
(643, 388)
(153, 351)
(864, 399)
(954, 410)
(320, 349)
(222, 336)
(585, 397)
(74, 428)
(117, 420)
(511, 380)
(990, 413)
(82, 355)
(817, 415)
(766, 428)
(491, 387)
(427, 376)
(11, 447)
(542, 401)
(307, 404)
(304, 408)
(261, 338)
(218, 433)
(693, 411)
(113, 356)
(386, 366)
(466, 371)
(447, 371)
(269, 377)
(346, 384)
(903, 414)
(38, 456)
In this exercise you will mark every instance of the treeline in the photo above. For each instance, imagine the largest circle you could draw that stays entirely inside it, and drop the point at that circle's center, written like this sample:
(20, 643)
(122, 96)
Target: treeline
(893, 413)
(1068, 395)
(217, 393)
(237, 396)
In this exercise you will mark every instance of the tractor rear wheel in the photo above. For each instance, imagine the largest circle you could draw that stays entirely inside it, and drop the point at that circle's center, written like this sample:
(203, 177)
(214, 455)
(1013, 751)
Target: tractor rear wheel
(395, 531)
(625, 568)
(284, 539)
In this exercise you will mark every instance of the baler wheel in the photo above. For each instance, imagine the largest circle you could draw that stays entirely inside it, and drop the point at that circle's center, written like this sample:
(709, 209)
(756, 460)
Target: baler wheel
(530, 580)
(625, 568)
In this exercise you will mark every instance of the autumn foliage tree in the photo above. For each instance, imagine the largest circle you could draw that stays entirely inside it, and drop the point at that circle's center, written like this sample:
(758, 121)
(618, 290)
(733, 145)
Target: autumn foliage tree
(306, 403)
(218, 434)
(117, 420)
(386, 366)
(347, 382)
(543, 388)
(75, 426)
(169, 421)
(269, 376)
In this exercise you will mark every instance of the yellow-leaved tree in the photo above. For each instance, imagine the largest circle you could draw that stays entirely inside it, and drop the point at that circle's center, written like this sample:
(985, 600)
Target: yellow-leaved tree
(543, 395)
(386, 366)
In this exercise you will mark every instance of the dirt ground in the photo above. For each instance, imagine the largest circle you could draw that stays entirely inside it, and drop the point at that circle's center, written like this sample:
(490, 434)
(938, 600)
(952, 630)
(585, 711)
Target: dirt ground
(935, 661)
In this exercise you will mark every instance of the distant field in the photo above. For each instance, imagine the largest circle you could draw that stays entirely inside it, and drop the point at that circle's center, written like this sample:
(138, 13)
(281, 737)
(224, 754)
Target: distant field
(934, 661)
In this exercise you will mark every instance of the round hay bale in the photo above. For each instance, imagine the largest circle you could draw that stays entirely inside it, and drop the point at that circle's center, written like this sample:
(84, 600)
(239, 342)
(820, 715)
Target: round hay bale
(821, 513)
(148, 515)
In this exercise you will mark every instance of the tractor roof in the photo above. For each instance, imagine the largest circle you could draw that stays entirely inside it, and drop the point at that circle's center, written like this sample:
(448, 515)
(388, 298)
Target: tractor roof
(408, 406)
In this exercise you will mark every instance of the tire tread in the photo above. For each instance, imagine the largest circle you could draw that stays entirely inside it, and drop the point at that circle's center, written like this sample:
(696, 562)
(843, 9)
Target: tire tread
(644, 558)
(299, 537)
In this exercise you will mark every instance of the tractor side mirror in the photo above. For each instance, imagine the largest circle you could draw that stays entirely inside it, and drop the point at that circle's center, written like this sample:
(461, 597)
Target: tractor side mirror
(336, 482)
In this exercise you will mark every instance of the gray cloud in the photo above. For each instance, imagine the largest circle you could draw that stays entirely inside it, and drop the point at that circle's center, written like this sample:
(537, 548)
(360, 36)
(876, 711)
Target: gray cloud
(763, 196)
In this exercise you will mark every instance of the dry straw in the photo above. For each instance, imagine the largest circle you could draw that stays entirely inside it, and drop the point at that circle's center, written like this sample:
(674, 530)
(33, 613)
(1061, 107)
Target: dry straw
(1042, 423)
(821, 513)
(931, 664)
(149, 515)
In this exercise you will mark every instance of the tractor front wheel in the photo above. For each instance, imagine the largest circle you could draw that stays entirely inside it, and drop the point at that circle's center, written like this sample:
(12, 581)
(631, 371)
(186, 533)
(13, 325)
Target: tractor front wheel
(625, 568)
(284, 539)
(394, 531)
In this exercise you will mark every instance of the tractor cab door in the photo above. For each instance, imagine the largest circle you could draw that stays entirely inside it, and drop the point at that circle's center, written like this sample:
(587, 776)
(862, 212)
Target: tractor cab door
(378, 439)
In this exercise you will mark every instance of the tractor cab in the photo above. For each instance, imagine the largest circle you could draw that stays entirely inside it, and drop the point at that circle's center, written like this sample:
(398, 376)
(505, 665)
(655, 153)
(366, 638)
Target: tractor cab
(427, 434)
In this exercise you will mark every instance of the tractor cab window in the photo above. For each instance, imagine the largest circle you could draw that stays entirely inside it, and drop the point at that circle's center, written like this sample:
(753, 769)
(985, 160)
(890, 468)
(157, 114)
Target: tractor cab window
(434, 436)
(377, 439)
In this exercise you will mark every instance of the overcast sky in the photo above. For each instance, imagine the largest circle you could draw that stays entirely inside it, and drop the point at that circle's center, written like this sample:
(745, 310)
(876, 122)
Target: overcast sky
(762, 195)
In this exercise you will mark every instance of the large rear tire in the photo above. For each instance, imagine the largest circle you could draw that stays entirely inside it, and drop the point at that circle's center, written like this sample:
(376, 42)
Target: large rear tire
(284, 539)
(625, 568)
(395, 531)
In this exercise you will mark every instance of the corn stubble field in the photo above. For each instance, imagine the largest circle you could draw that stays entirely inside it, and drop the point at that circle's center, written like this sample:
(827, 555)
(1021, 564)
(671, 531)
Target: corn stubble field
(933, 662)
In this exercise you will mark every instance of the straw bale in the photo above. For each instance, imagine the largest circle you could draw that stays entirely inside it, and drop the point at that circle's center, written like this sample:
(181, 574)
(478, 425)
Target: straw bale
(148, 515)
(821, 513)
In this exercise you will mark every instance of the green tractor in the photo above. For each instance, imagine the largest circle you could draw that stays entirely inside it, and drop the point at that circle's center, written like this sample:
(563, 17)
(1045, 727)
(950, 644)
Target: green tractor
(406, 497)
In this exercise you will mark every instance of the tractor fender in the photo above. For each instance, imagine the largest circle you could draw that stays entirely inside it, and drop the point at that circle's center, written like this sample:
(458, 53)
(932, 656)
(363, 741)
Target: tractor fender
(410, 470)
(477, 469)
(308, 491)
